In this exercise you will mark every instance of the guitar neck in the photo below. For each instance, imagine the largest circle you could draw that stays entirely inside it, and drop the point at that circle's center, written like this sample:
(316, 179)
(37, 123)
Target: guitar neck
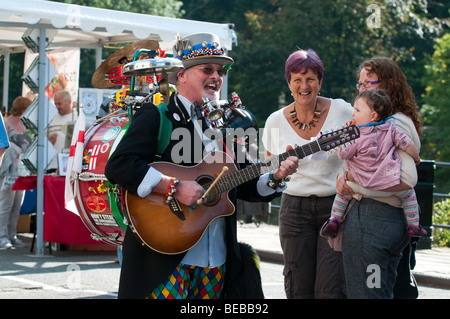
(237, 178)
(325, 142)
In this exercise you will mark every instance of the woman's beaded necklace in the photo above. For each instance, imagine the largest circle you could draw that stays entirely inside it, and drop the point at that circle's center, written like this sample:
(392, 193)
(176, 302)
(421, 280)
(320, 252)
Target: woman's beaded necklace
(303, 126)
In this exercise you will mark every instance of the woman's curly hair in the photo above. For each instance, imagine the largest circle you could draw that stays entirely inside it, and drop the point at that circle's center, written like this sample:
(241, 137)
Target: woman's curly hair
(393, 81)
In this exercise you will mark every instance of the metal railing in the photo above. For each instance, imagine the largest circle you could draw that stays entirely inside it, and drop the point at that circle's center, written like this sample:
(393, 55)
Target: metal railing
(435, 195)
(441, 164)
(441, 195)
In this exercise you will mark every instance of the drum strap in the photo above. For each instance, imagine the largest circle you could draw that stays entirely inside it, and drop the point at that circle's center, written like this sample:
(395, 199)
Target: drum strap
(164, 134)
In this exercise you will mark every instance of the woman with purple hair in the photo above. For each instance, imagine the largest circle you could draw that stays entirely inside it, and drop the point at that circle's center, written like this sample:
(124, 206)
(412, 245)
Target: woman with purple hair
(311, 268)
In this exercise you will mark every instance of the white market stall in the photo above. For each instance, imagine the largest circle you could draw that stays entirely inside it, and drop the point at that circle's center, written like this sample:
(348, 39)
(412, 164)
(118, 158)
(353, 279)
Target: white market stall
(52, 25)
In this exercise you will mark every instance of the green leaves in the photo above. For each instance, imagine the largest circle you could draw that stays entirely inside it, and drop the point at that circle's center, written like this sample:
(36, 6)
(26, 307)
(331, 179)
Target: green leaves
(436, 109)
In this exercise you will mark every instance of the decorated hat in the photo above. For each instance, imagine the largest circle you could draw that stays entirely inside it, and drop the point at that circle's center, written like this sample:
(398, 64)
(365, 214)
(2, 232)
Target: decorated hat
(199, 48)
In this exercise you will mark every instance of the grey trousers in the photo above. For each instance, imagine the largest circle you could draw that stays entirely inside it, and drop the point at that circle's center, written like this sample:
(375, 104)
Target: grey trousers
(311, 268)
(10, 202)
(374, 237)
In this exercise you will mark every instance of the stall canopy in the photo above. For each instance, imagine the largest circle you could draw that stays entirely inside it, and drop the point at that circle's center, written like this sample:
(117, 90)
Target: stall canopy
(78, 26)
(59, 25)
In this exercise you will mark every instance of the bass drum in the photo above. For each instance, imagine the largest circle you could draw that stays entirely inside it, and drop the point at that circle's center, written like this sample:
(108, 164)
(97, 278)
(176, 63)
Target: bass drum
(97, 201)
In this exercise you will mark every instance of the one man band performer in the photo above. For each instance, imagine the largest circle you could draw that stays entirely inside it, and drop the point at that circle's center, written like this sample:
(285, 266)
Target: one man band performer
(214, 267)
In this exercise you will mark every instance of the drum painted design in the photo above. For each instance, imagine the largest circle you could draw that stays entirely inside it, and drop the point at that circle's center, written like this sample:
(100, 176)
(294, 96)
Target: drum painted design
(91, 194)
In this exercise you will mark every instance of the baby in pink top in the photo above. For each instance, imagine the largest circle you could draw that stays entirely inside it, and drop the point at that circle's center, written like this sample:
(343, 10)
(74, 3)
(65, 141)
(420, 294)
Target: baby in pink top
(374, 162)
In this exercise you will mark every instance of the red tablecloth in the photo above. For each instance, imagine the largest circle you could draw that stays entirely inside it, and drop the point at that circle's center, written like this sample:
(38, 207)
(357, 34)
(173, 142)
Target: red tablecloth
(60, 225)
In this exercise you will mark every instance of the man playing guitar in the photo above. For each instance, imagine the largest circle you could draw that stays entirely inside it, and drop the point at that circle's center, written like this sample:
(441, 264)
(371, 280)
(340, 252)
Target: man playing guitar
(198, 272)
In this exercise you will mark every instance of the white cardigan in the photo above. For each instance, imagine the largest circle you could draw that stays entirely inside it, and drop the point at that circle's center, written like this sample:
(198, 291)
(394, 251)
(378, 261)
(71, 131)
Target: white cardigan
(316, 174)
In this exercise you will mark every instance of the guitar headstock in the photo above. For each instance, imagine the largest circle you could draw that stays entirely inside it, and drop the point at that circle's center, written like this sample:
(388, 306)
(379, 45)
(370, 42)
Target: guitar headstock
(338, 138)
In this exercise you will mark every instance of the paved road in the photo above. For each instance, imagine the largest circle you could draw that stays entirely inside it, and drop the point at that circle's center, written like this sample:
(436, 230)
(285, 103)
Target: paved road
(272, 275)
(64, 275)
(94, 275)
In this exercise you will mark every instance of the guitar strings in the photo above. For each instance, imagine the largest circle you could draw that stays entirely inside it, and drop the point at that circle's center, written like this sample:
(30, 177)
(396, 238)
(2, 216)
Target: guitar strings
(236, 178)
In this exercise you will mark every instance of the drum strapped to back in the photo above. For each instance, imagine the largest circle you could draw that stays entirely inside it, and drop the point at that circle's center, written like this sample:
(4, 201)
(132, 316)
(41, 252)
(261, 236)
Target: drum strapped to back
(99, 203)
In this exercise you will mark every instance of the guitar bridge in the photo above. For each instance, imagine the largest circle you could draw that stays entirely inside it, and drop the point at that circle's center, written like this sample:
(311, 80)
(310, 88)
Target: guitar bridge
(176, 208)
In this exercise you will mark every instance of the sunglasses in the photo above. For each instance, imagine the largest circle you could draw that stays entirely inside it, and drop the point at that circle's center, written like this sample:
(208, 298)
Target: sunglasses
(209, 70)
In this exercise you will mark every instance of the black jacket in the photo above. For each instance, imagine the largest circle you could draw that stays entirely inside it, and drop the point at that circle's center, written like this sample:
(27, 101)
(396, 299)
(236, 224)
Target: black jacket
(144, 269)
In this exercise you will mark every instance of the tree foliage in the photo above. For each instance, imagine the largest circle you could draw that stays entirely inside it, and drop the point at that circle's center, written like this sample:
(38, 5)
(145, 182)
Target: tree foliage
(436, 113)
(343, 33)
(436, 108)
(441, 215)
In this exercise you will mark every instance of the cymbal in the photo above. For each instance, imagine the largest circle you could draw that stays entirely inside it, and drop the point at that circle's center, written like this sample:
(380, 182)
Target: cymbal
(100, 79)
(152, 66)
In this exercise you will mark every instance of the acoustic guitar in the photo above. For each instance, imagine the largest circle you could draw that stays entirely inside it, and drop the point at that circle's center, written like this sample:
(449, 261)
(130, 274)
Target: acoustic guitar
(172, 228)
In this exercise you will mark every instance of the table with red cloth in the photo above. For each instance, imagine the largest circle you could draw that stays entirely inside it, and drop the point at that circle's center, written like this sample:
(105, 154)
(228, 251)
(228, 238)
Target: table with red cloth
(60, 225)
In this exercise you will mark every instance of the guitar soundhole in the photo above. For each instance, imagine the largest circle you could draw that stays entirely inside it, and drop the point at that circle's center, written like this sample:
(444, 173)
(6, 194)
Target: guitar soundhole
(213, 196)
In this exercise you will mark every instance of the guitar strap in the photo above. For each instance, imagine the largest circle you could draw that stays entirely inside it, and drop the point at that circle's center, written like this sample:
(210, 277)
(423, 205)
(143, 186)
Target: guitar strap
(165, 129)
(114, 194)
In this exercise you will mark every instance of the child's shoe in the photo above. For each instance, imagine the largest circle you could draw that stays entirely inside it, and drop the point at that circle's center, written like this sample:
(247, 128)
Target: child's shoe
(5, 244)
(416, 231)
(330, 228)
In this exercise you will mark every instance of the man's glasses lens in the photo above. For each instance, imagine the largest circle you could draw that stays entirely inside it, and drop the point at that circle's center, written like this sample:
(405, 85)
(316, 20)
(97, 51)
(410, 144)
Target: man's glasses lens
(210, 70)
